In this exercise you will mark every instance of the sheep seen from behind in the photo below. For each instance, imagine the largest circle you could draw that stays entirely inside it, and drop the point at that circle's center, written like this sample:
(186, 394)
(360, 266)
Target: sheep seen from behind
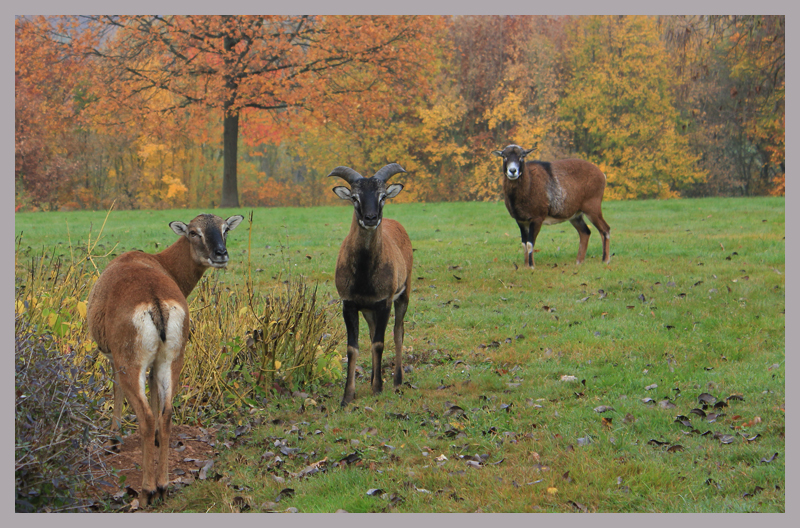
(138, 315)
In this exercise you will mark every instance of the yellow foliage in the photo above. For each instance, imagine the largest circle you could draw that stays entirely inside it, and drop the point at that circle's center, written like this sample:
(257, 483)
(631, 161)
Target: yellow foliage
(174, 186)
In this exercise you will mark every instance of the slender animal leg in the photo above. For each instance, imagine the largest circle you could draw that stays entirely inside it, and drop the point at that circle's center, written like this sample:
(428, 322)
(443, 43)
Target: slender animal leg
(154, 395)
(382, 311)
(369, 316)
(533, 232)
(133, 392)
(605, 232)
(167, 379)
(400, 306)
(350, 313)
(583, 232)
(119, 398)
(527, 252)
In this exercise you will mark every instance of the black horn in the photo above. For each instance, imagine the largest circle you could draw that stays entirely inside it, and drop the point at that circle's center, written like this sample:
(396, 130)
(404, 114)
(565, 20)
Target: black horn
(388, 171)
(346, 173)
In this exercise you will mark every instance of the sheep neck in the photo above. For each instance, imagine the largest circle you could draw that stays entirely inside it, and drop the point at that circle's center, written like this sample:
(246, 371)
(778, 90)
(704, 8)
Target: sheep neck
(179, 264)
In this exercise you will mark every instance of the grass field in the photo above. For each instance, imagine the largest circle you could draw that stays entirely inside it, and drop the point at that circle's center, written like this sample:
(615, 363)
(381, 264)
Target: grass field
(566, 388)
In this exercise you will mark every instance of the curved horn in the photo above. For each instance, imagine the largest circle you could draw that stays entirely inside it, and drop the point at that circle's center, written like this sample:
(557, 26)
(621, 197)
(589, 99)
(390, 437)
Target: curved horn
(346, 173)
(388, 171)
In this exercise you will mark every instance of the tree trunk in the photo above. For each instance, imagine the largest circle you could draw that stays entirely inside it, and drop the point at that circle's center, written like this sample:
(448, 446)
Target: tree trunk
(230, 148)
(230, 137)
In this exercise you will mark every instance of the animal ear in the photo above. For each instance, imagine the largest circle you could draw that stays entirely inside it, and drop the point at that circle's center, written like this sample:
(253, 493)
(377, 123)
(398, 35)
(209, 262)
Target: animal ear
(526, 152)
(342, 192)
(393, 190)
(180, 228)
(498, 153)
(234, 221)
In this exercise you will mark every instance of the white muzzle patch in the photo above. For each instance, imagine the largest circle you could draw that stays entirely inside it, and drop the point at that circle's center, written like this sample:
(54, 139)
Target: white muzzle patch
(512, 170)
(371, 228)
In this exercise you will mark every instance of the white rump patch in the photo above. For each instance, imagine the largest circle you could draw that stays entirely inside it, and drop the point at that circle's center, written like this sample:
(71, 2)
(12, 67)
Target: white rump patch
(150, 351)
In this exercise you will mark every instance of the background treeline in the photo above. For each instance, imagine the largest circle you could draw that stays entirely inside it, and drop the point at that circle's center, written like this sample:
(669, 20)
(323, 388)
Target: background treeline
(144, 111)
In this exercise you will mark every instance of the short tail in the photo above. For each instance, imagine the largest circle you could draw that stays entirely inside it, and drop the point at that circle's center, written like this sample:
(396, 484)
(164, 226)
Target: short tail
(160, 318)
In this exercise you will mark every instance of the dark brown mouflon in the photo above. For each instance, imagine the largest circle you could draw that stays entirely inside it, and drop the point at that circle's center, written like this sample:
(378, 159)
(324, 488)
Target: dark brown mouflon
(540, 192)
(373, 271)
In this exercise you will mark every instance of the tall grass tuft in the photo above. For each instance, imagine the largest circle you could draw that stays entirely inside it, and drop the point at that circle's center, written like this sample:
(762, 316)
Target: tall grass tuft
(246, 346)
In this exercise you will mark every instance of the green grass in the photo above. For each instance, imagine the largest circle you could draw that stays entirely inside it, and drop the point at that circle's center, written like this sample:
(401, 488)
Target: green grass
(693, 301)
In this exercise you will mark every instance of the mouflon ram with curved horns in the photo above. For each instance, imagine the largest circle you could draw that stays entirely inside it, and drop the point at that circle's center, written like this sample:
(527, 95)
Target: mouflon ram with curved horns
(373, 271)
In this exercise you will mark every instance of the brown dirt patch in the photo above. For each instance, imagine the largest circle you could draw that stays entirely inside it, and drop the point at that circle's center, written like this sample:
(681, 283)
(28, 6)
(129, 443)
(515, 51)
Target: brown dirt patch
(190, 449)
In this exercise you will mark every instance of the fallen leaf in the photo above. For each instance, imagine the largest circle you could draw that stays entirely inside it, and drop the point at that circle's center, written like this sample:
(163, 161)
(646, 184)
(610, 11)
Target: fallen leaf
(706, 399)
(552, 491)
(372, 492)
(770, 459)
(579, 506)
(603, 408)
(751, 423)
(651, 387)
(285, 493)
(204, 470)
(311, 468)
(268, 506)
(666, 404)
(725, 439)
(240, 503)
(606, 422)
(675, 448)
(352, 458)
(567, 377)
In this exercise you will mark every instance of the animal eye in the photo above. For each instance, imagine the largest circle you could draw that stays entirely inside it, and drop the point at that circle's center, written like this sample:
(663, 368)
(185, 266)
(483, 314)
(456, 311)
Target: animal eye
(194, 234)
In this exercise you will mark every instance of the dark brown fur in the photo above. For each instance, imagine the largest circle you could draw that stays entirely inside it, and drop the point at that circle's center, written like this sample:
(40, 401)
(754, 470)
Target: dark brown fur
(554, 192)
(373, 270)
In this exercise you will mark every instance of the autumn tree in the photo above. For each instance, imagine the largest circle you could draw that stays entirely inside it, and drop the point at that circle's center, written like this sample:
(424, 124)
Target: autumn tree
(731, 72)
(268, 63)
(500, 86)
(46, 83)
(618, 110)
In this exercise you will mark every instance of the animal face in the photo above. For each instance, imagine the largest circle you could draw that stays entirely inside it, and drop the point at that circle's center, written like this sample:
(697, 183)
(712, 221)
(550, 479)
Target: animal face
(513, 160)
(368, 196)
(207, 234)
